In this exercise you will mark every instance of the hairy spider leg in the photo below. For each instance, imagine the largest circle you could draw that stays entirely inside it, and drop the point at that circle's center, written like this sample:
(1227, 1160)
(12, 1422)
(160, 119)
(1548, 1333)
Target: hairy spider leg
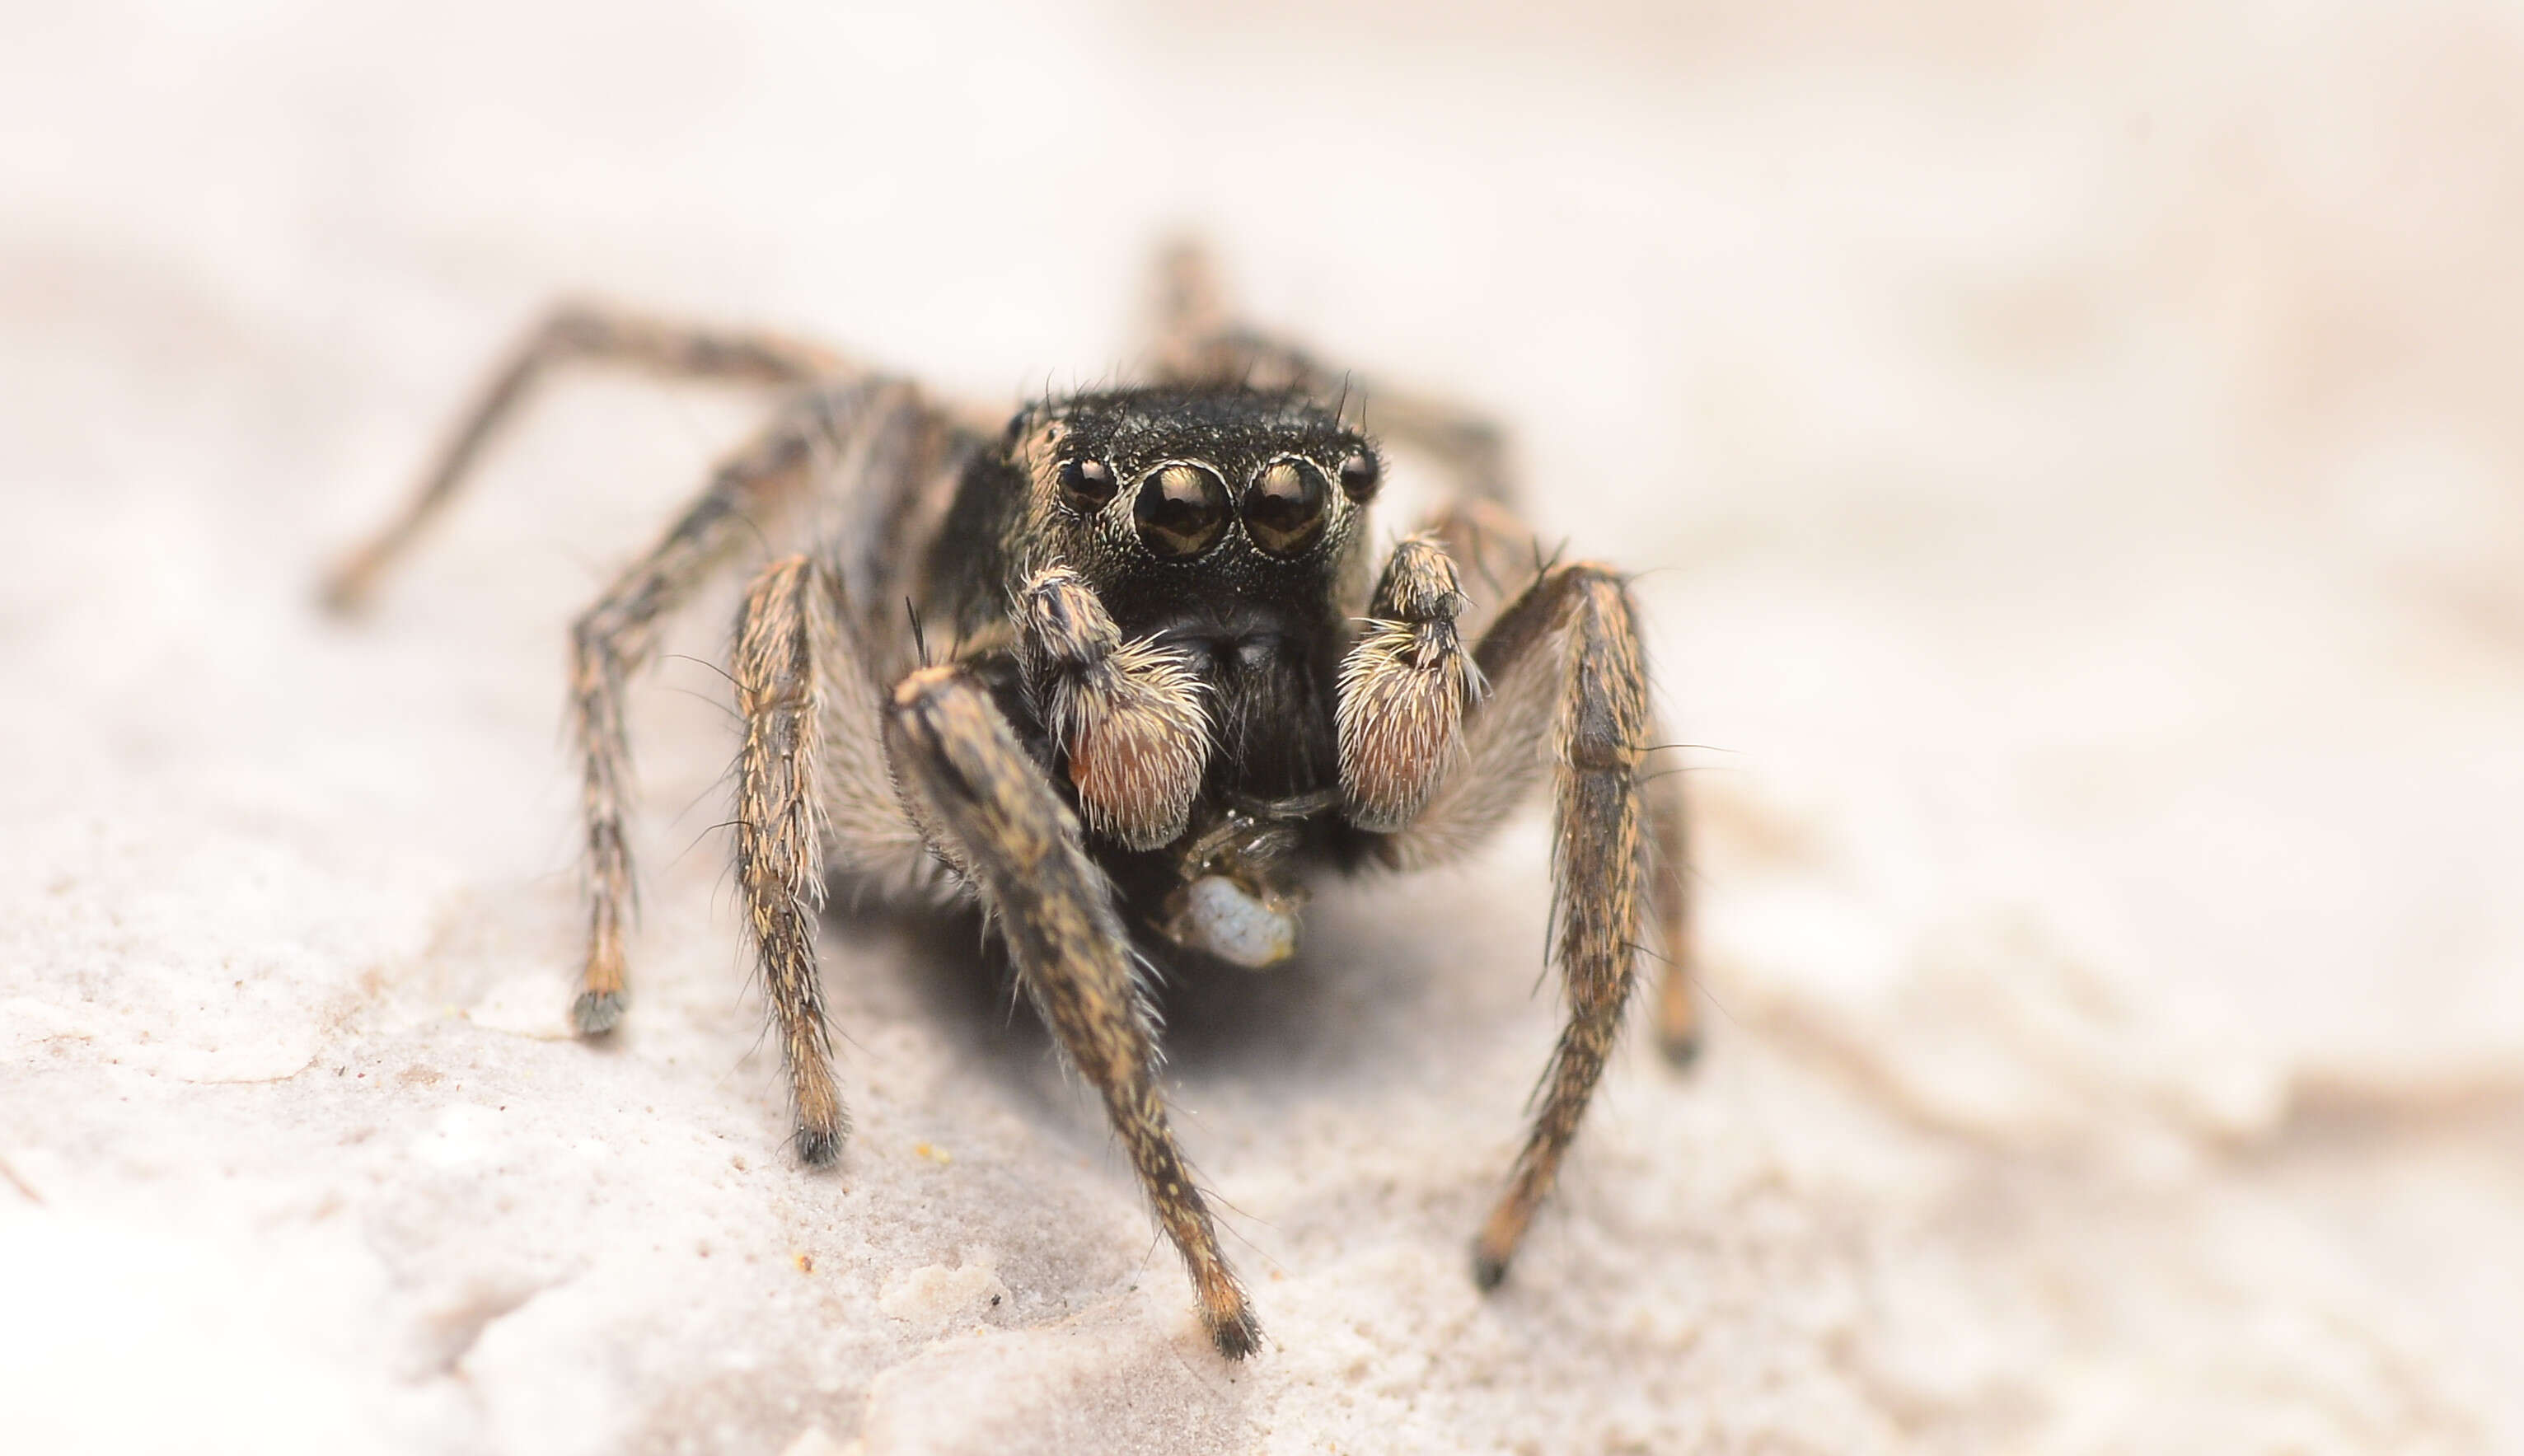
(574, 333)
(814, 795)
(984, 797)
(1200, 341)
(1677, 1007)
(781, 693)
(1567, 691)
(1600, 857)
(1494, 548)
(616, 636)
(844, 433)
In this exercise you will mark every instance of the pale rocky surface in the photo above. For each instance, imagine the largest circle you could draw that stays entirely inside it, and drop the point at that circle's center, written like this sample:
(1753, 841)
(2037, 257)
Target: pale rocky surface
(2075, 467)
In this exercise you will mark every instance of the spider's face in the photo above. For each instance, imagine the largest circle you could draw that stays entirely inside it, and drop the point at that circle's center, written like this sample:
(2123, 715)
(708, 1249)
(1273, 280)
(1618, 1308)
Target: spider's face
(1223, 511)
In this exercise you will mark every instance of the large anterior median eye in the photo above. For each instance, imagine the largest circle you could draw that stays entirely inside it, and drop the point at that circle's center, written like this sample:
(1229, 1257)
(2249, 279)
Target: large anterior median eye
(1283, 507)
(1181, 509)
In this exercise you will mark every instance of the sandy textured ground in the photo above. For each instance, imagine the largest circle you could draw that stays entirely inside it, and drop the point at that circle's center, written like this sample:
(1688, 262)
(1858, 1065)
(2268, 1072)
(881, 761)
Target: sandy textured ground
(2076, 464)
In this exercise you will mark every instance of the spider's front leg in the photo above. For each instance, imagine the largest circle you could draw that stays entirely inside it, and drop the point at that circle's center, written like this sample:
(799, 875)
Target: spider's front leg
(1127, 715)
(1492, 544)
(1600, 858)
(1564, 669)
(997, 817)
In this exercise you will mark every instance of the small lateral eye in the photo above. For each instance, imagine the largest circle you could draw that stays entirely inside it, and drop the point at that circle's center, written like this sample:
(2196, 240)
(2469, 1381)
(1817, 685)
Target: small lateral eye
(1181, 509)
(1360, 475)
(1085, 485)
(1283, 507)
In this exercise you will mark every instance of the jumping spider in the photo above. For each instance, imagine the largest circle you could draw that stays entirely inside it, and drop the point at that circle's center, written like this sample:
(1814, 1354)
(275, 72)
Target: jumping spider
(1175, 689)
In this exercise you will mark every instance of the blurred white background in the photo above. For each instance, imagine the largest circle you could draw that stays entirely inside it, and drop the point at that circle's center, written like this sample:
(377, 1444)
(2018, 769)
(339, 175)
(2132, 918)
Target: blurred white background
(2072, 457)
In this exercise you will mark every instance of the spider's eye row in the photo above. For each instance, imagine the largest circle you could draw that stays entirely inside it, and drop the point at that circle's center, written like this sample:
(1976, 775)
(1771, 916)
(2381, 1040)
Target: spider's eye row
(1283, 507)
(1360, 475)
(1181, 510)
(1085, 485)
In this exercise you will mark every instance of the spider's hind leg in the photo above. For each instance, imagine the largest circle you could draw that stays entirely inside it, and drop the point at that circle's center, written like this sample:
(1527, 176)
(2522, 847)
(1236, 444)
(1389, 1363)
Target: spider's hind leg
(573, 333)
(1200, 341)
(613, 638)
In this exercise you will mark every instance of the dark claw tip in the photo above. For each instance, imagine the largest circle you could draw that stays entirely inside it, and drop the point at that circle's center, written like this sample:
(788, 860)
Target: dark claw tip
(598, 1012)
(346, 589)
(1237, 1338)
(1488, 1271)
(1682, 1050)
(820, 1147)
(340, 599)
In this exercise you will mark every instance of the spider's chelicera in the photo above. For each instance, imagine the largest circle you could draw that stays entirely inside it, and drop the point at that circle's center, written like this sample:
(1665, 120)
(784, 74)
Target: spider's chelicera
(1151, 679)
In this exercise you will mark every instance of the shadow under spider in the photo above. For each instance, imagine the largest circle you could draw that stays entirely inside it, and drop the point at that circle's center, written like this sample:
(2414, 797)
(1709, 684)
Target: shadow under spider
(1302, 1018)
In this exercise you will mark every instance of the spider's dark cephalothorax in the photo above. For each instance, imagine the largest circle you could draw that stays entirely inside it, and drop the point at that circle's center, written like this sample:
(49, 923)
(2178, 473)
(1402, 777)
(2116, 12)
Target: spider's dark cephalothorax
(1124, 672)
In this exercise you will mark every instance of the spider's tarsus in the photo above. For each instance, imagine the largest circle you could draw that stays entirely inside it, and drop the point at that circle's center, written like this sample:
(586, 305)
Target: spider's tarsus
(1239, 1337)
(1488, 1269)
(820, 1147)
(349, 588)
(1680, 1049)
(1678, 1018)
(598, 1012)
